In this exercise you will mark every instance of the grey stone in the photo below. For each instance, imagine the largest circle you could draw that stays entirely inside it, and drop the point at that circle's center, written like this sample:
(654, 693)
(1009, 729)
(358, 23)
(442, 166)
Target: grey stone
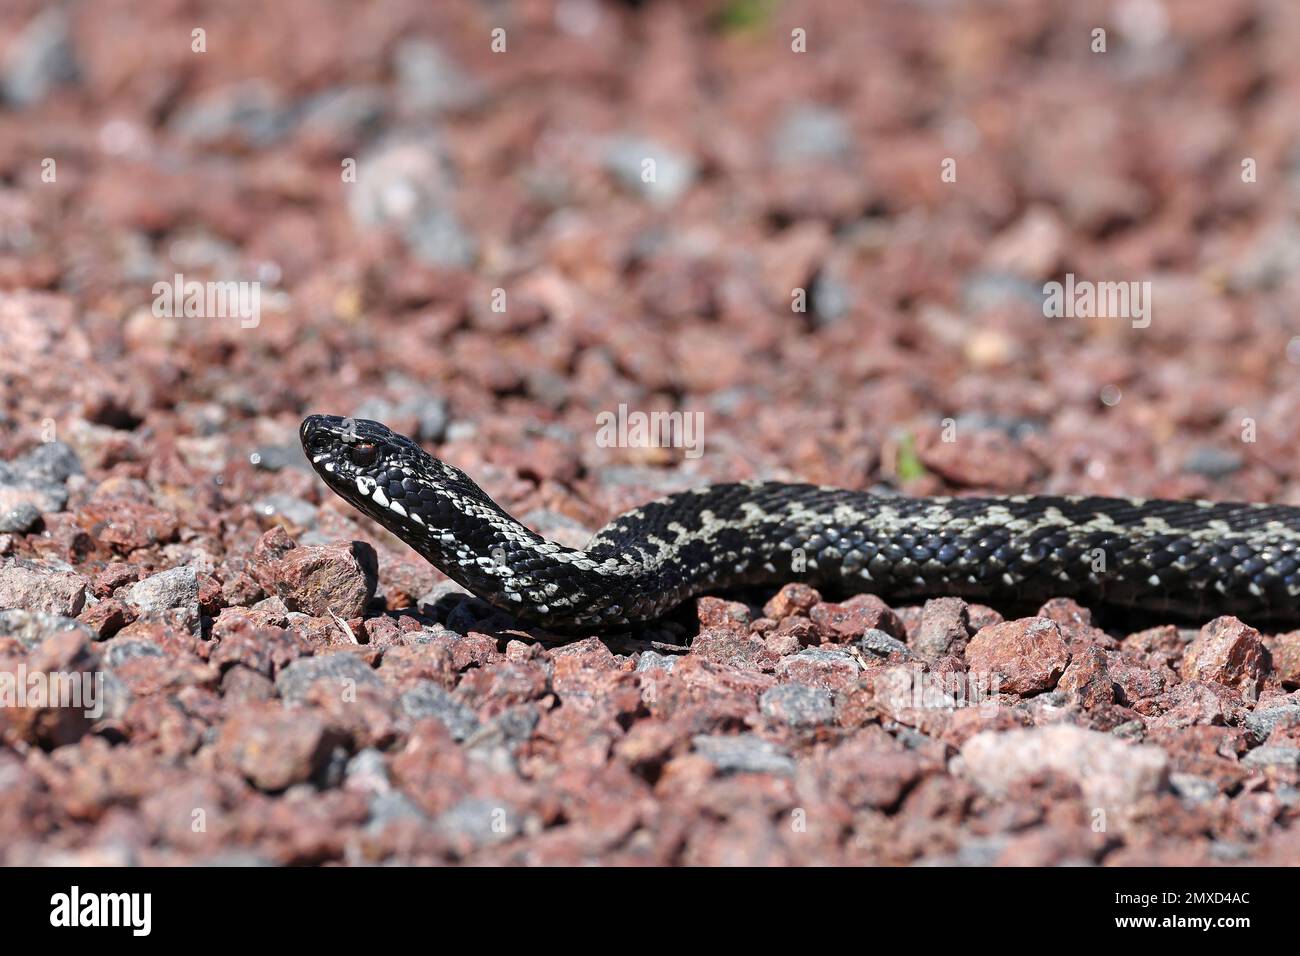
(351, 112)
(828, 655)
(876, 641)
(249, 111)
(831, 299)
(982, 291)
(658, 480)
(367, 772)
(429, 411)
(46, 498)
(1212, 462)
(36, 480)
(407, 185)
(427, 699)
(812, 133)
(389, 805)
(1110, 772)
(674, 172)
(440, 239)
(375, 409)
(557, 527)
(293, 509)
(279, 457)
(342, 670)
(41, 57)
(1229, 851)
(978, 851)
(47, 463)
(1261, 722)
(1018, 427)
(446, 593)
(115, 697)
(508, 729)
(798, 705)
(1193, 789)
(480, 821)
(432, 415)
(173, 588)
(652, 659)
(429, 82)
(30, 628)
(1130, 730)
(20, 519)
(122, 649)
(745, 753)
(1273, 757)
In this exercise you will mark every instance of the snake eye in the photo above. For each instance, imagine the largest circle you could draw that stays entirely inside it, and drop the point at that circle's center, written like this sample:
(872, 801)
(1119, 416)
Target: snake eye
(363, 456)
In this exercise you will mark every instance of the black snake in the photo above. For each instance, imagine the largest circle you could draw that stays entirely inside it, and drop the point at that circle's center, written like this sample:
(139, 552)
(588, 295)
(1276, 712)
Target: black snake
(1190, 558)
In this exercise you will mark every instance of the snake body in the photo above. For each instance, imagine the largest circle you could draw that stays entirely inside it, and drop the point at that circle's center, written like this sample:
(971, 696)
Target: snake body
(1189, 558)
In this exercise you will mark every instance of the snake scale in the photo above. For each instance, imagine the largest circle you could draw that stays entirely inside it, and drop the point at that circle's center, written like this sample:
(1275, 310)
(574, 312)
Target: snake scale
(1189, 558)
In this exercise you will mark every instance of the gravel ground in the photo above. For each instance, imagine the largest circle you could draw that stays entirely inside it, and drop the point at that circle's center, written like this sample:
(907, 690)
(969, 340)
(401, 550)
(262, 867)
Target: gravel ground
(838, 264)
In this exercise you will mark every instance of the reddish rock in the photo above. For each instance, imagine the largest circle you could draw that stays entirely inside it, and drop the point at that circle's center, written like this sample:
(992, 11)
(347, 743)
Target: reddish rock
(1064, 611)
(649, 743)
(211, 596)
(980, 459)
(735, 648)
(36, 586)
(265, 650)
(1027, 654)
(53, 698)
(980, 616)
(799, 629)
(239, 685)
(1113, 775)
(401, 666)
(466, 650)
(1136, 683)
(780, 644)
(499, 688)
(726, 692)
(944, 628)
(844, 623)
(275, 748)
(715, 612)
(241, 590)
(791, 599)
(819, 667)
(863, 775)
(1076, 625)
(1228, 652)
(272, 547)
(107, 617)
(1285, 651)
(380, 632)
(1088, 679)
(116, 575)
(1197, 702)
(127, 526)
(334, 579)
(1164, 644)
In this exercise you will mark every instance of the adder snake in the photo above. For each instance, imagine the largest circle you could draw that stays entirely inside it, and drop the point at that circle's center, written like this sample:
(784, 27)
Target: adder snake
(1185, 557)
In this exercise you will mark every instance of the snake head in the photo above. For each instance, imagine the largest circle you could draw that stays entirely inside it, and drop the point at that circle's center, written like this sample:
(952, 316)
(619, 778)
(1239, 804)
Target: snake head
(369, 465)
